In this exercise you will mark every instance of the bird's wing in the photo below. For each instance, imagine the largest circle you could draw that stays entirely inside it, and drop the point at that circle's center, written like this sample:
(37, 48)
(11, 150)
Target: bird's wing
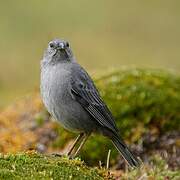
(84, 91)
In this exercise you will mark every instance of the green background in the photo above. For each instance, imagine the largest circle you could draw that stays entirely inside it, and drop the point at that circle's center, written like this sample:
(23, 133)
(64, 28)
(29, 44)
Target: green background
(103, 34)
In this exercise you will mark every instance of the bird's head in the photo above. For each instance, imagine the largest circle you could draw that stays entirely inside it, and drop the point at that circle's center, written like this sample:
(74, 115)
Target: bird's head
(58, 51)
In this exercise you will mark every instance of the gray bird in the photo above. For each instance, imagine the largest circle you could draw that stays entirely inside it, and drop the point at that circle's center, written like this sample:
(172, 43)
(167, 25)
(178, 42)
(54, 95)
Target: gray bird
(71, 97)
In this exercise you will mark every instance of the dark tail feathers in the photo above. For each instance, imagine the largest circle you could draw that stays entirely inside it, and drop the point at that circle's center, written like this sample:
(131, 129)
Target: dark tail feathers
(125, 152)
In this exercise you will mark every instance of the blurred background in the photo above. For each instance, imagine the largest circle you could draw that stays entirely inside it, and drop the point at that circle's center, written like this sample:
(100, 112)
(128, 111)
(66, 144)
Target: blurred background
(103, 34)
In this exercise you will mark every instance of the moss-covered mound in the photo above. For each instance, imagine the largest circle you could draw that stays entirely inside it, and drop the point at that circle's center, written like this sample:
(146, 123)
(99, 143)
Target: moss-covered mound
(35, 166)
(142, 97)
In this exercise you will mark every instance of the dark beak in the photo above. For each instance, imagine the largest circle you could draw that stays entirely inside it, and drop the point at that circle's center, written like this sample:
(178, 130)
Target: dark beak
(61, 46)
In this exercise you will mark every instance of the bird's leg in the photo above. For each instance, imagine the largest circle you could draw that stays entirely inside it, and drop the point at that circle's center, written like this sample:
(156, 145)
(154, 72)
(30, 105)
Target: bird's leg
(74, 143)
(81, 145)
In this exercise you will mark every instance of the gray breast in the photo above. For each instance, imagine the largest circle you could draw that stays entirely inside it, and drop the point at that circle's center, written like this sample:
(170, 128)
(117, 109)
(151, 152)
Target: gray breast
(59, 102)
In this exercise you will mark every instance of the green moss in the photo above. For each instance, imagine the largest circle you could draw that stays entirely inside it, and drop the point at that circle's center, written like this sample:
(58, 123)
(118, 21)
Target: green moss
(142, 97)
(35, 166)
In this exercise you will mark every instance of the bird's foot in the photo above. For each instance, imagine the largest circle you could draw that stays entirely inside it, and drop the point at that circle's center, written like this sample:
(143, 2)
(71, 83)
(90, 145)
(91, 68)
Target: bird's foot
(71, 157)
(62, 155)
(56, 155)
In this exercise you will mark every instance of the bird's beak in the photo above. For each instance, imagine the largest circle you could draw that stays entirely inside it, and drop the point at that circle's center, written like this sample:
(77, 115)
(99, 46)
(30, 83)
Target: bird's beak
(61, 46)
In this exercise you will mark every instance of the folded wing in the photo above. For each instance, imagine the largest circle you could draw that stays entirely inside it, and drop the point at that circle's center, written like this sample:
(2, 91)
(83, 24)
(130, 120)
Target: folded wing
(85, 92)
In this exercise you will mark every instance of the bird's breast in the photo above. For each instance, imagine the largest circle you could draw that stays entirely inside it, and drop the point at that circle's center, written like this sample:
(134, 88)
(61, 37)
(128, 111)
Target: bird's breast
(59, 102)
(54, 86)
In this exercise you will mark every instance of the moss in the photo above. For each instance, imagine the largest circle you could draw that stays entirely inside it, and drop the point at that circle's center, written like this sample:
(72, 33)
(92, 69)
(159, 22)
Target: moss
(36, 166)
(145, 97)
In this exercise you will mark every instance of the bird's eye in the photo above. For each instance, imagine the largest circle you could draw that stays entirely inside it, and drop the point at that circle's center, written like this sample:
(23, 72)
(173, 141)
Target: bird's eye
(51, 44)
(67, 44)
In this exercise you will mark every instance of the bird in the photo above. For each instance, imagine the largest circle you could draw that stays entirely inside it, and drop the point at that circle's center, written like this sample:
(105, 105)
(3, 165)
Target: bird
(71, 97)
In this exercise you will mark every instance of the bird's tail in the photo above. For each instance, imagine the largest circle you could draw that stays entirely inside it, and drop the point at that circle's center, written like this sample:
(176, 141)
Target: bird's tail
(125, 152)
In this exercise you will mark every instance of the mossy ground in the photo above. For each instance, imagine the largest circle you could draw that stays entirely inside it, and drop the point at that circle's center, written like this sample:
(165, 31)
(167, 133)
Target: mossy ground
(36, 166)
(32, 165)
